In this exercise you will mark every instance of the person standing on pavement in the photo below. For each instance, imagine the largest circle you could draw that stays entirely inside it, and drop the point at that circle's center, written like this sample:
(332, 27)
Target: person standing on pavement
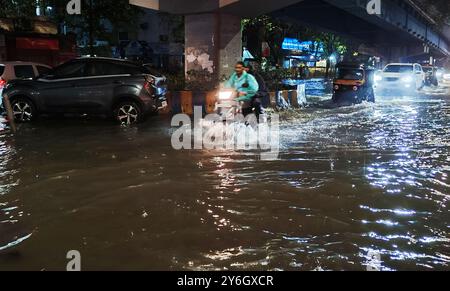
(246, 86)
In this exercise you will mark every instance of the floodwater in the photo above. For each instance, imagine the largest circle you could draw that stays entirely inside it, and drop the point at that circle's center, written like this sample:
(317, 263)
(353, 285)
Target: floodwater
(349, 183)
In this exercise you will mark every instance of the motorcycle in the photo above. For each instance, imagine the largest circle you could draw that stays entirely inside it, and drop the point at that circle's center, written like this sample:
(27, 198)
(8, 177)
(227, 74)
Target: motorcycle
(226, 105)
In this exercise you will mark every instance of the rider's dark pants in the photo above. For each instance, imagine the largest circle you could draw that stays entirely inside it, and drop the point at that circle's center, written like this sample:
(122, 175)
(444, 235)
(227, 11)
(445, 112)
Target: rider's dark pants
(256, 107)
(247, 111)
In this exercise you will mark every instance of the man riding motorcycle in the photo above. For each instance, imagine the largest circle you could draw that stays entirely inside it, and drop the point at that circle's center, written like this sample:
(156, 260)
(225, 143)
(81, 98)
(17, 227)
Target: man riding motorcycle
(245, 85)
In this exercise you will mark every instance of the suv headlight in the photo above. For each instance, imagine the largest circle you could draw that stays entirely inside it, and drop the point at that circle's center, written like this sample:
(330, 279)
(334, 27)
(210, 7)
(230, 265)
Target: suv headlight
(378, 78)
(447, 76)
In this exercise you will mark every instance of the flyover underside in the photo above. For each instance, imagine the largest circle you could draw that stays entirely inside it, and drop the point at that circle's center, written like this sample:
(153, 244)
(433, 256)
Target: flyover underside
(213, 34)
(351, 23)
(243, 8)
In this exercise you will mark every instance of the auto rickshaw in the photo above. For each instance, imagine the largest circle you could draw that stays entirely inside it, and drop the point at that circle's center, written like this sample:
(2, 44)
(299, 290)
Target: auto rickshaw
(354, 83)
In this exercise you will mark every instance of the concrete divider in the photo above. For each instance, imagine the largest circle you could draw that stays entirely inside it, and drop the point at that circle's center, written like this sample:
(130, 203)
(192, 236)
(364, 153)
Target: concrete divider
(184, 101)
(187, 102)
(211, 98)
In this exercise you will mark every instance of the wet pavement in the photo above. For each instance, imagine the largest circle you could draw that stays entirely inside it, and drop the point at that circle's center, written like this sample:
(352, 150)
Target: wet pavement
(349, 181)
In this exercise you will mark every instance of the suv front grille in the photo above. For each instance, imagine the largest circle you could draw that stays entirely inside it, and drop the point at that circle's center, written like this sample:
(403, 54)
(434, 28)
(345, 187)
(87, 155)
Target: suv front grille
(392, 79)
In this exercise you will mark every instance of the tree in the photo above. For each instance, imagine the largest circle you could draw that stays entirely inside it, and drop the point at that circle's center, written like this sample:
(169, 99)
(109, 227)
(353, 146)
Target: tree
(95, 16)
(17, 8)
(274, 31)
(333, 46)
(266, 29)
(19, 11)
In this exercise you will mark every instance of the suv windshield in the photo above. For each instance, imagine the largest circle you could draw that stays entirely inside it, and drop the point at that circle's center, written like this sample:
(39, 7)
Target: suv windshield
(399, 69)
(350, 74)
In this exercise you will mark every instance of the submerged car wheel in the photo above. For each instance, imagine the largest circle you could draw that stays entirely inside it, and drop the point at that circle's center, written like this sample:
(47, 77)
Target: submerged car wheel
(23, 110)
(128, 113)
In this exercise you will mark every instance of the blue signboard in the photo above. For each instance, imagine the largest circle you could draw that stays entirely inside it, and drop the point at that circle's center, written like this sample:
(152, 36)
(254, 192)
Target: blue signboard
(294, 44)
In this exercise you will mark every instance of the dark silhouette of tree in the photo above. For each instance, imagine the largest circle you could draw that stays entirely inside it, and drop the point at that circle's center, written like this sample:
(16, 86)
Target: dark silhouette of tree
(273, 31)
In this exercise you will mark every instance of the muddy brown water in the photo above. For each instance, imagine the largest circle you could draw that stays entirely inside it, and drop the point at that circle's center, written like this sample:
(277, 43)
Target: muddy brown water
(349, 181)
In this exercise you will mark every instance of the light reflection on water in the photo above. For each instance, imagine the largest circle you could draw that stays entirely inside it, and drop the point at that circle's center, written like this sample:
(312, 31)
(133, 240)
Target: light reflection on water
(11, 213)
(350, 181)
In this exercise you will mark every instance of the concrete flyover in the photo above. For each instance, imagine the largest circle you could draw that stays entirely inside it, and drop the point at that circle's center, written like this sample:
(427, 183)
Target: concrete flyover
(402, 31)
(213, 28)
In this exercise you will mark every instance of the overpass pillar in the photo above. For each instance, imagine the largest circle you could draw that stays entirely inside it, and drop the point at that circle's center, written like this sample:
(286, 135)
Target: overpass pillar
(213, 44)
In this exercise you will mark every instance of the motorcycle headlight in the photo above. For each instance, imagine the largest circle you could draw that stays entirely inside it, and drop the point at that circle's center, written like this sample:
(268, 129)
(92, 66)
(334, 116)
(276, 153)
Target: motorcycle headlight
(407, 79)
(225, 95)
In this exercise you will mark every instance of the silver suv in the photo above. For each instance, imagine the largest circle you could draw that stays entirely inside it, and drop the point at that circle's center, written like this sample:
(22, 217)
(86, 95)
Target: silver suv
(122, 89)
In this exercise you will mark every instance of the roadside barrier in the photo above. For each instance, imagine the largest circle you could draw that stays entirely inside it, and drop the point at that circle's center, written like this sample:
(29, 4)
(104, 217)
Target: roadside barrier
(10, 113)
(184, 101)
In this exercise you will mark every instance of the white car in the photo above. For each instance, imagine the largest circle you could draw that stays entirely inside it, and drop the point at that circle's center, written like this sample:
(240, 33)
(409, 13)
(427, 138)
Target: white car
(400, 77)
(20, 70)
(444, 78)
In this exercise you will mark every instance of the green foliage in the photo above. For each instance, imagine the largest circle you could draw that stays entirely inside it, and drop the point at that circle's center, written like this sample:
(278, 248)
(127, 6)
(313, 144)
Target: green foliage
(176, 82)
(275, 31)
(194, 81)
(200, 81)
(274, 78)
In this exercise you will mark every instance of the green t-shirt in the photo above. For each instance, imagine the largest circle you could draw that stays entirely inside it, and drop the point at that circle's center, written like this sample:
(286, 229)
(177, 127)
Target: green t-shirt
(237, 83)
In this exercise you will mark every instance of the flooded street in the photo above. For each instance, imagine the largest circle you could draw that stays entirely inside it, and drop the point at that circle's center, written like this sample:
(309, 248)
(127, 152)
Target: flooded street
(349, 181)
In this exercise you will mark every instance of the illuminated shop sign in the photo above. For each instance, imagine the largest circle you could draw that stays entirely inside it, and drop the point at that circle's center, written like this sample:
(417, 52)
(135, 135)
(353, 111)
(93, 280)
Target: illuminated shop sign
(294, 44)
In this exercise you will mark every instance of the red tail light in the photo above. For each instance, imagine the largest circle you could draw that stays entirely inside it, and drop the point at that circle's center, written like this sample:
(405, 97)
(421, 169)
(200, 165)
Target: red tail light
(2, 83)
(148, 84)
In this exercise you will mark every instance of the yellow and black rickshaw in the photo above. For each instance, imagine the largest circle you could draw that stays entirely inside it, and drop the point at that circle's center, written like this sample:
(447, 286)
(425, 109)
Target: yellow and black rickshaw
(354, 83)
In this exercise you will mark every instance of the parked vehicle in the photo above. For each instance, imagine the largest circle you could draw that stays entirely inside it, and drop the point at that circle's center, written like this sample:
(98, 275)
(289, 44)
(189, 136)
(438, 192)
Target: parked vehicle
(113, 87)
(444, 77)
(401, 78)
(353, 83)
(19, 70)
(431, 78)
